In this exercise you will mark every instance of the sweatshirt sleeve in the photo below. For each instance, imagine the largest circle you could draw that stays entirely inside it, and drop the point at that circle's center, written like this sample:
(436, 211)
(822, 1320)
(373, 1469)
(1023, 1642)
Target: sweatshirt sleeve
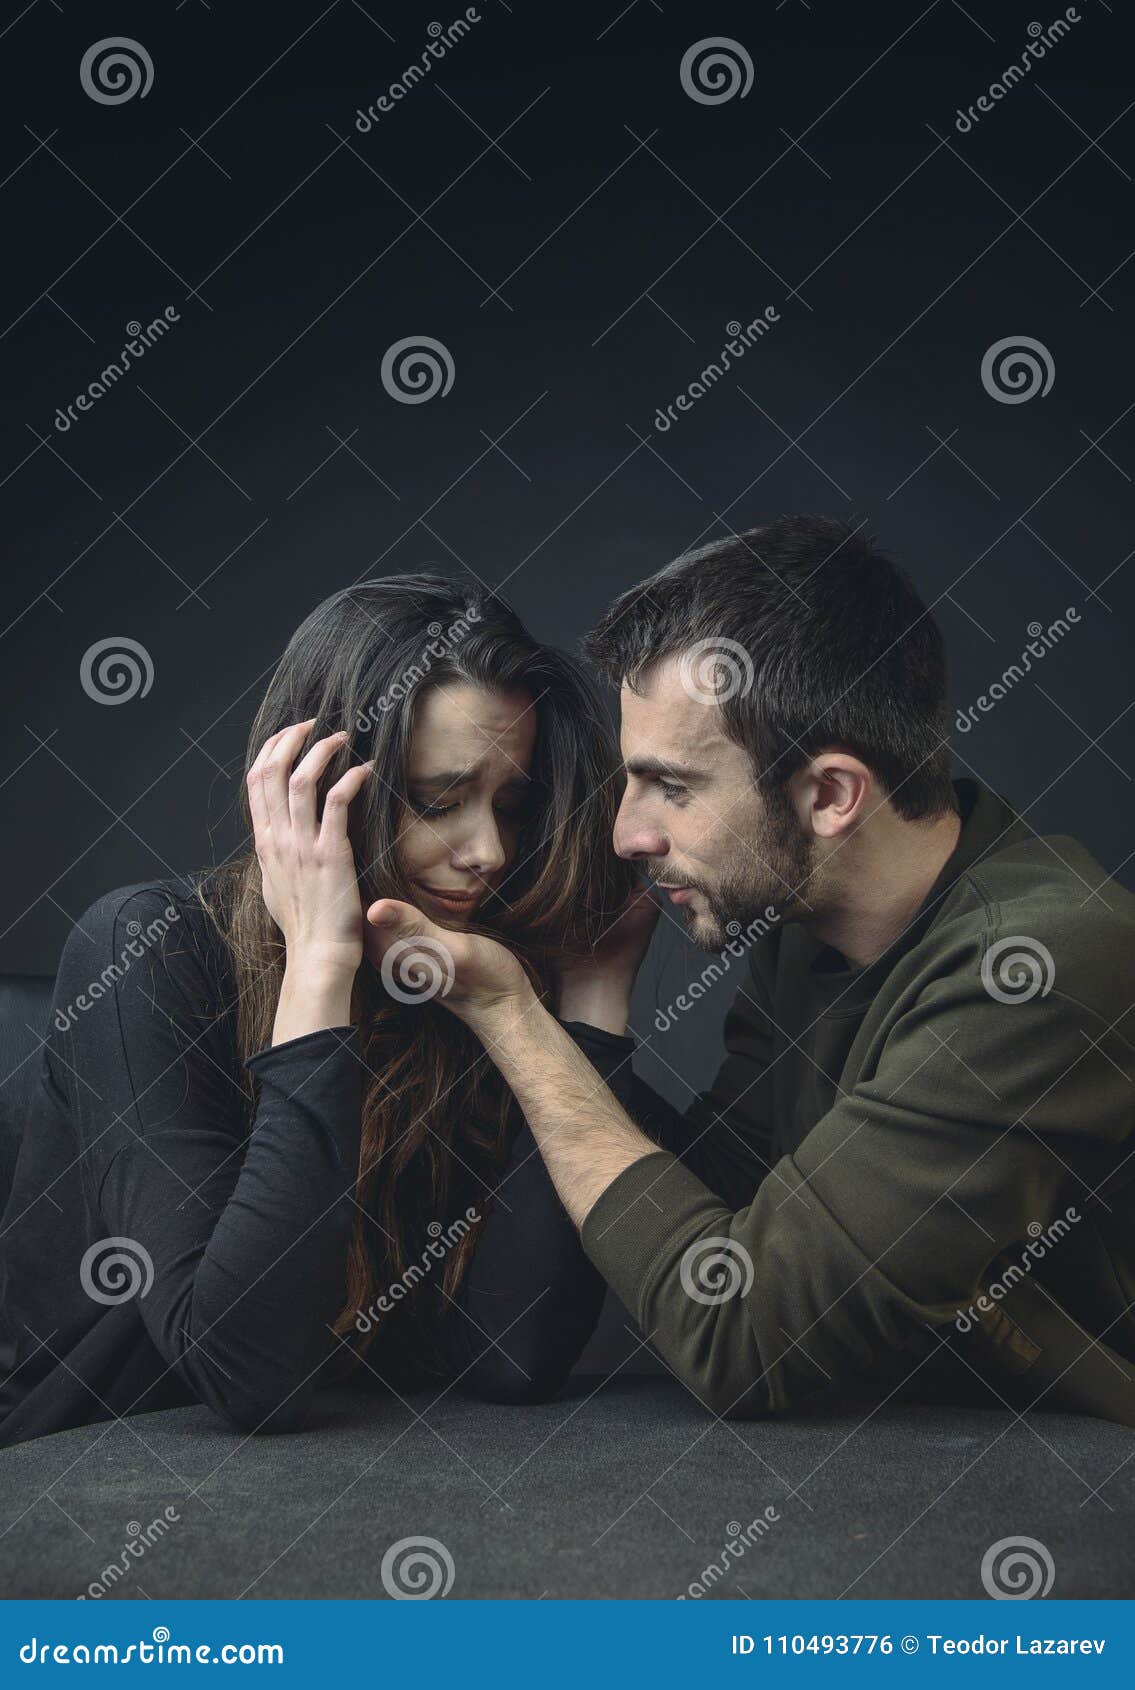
(239, 1229)
(725, 1135)
(980, 1123)
(530, 1299)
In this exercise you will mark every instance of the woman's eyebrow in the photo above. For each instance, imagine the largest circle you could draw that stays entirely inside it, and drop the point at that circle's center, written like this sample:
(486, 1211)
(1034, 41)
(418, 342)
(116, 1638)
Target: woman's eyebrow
(448, 777)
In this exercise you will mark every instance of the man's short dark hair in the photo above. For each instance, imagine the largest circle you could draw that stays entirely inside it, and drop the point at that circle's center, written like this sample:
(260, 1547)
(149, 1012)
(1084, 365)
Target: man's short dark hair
(841, 652)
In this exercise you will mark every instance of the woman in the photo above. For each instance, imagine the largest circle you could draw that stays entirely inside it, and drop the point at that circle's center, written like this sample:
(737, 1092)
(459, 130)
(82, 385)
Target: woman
(255, 1162)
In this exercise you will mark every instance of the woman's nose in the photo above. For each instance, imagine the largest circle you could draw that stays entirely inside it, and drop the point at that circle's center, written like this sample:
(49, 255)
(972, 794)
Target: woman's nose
(483, 852)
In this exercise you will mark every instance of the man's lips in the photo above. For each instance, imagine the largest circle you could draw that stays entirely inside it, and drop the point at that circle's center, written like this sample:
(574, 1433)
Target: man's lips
(676, 894)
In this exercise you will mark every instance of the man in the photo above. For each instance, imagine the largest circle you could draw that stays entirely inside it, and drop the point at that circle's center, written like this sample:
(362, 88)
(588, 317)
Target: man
(917, 1157)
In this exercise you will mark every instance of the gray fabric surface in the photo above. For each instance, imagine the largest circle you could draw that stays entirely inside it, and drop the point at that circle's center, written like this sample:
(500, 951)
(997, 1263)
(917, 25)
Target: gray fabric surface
(622, 1488)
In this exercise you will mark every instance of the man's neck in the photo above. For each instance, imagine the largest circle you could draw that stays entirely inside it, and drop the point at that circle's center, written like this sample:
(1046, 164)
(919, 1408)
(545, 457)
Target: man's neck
(895, 868)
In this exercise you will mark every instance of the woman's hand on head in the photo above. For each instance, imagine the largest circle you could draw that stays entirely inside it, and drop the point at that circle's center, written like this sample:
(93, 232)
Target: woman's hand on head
(419, 961)
(306, 862)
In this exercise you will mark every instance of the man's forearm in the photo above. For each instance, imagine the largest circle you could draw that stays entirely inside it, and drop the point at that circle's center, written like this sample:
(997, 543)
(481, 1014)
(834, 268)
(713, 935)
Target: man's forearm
(584, 1136)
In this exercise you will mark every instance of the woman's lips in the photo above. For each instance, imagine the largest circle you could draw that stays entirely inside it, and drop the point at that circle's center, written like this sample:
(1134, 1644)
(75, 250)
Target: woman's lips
(452, 899)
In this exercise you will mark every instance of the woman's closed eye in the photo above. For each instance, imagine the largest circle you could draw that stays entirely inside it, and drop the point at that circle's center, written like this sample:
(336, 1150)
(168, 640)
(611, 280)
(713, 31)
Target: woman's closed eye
(514, 809)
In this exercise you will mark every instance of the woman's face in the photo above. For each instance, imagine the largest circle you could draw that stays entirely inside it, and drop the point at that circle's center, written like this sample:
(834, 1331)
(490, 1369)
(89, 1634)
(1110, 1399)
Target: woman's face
(467, 794)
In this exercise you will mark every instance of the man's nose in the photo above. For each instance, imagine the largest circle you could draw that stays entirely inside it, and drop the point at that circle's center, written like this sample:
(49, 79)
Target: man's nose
(635, 837)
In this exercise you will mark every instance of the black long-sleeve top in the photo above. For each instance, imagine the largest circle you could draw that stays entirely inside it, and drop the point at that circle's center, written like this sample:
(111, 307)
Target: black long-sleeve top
(163, 1245)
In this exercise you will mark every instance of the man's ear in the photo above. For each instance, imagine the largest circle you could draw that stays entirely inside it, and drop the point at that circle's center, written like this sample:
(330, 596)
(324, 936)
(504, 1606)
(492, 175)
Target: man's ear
(839, 787)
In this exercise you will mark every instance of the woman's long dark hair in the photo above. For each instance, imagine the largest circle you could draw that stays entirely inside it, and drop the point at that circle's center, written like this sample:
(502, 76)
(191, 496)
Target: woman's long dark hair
(436, 1116)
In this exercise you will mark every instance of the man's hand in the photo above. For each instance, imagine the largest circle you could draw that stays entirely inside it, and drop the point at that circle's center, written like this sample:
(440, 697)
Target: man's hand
(583, 1135)
(597, 988)
(473, 976)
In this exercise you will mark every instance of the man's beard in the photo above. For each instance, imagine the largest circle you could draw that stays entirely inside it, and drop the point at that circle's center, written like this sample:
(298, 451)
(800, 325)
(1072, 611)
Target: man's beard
(772, 873)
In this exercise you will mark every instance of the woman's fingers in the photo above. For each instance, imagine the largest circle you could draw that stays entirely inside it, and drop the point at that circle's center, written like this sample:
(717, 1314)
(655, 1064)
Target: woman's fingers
(304, 779)
(254, 782)
(333, 829)
(273, 766)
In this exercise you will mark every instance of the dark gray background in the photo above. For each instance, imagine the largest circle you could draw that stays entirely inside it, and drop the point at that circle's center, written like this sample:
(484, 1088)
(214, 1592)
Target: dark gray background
(551, 205)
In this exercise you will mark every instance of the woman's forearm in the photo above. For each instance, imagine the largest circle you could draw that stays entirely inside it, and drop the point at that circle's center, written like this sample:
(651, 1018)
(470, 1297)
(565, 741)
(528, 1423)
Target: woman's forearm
(313, 996)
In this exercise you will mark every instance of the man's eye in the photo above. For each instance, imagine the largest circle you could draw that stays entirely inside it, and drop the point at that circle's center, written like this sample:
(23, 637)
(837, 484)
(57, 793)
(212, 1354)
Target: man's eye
(671, 792)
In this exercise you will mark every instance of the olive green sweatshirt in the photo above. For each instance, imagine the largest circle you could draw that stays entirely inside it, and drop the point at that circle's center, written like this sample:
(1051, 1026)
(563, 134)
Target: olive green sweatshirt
(937, 1149)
